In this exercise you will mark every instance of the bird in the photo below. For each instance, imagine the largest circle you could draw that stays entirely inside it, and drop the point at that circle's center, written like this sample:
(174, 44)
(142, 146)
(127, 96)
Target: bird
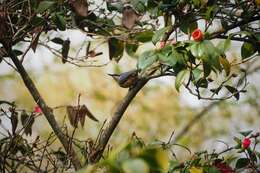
(126, 79)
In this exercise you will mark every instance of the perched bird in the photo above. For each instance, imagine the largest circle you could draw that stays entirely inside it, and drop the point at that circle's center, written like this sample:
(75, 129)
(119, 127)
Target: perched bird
(126, 79)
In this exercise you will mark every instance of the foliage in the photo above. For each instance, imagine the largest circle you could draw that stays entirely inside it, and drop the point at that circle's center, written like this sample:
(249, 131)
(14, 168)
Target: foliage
(136, 156)
(183, 46)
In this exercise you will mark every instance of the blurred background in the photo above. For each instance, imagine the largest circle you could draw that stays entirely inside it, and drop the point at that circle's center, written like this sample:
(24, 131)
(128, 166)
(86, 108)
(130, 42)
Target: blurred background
(155, 113)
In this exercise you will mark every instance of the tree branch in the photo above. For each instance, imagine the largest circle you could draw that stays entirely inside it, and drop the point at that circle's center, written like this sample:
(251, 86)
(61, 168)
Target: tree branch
(204, 112)
(234, 25)
(239, 39)
(48, 113)
(6, 102)
(118, 114)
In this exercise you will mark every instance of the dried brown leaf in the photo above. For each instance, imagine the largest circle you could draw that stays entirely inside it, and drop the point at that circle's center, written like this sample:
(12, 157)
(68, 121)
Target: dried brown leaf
(65, 50)
(72, 114)
(86, 111)
(35, 38)
(130, 16)
(77, 114)
(14, 120)
(80, 7)
(27, 122)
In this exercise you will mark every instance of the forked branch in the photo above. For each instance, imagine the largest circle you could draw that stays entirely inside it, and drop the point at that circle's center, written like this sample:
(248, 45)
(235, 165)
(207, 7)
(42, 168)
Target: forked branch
(48, 113)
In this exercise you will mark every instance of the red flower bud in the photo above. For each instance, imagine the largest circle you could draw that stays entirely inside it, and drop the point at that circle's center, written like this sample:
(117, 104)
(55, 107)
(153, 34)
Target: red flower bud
(197, 35)
(246, 143)
(37, 109)
(162, 44)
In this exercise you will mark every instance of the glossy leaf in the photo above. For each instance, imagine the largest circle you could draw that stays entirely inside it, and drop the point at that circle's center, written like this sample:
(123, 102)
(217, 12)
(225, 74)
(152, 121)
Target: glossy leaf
(60, 22)
(131, 49)
(247, 50)
(246, 133)
(196, 73)
(146, 59)
(139, 5)
(188, 24)
(202, 83)
(57, 40)
(169, 60)
(211, 170)
(118, 6)
(242, 162)
(144, 36)
(180, 78)
(159, 34)
(45, 5)
(206, 69)
(17, 52)
(224, 45)
(116, 49)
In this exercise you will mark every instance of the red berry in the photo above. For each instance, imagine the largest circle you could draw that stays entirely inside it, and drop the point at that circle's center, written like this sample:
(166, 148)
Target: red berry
(197, 35)
(246, 143)
(37, 109)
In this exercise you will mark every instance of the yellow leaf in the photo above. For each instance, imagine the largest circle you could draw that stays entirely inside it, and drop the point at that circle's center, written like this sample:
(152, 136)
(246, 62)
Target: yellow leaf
(196, 170)
(257, 2)
(163, 159)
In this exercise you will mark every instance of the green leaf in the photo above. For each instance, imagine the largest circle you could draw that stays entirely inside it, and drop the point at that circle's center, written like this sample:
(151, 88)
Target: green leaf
(144, 36)
(139, 5)
(246, 133)
(198, 49)
(226, 65)
(115, 6)
(233, 91)
(60, 22)
(44, 5)
(188, 24)
(169, 60)
(146, 59)
(37, 21)
(116, 49)
(247, 50)
(206, 69)
(180, 78)
(242, 162)
(205, 51)
(196, 74)
(17, 52)
(179, 55)
(131, 49)
(223, 46)
(57, 40)
(202, 82)
(135, 166)
(215, 90)
(159, 34)
(211, 170)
